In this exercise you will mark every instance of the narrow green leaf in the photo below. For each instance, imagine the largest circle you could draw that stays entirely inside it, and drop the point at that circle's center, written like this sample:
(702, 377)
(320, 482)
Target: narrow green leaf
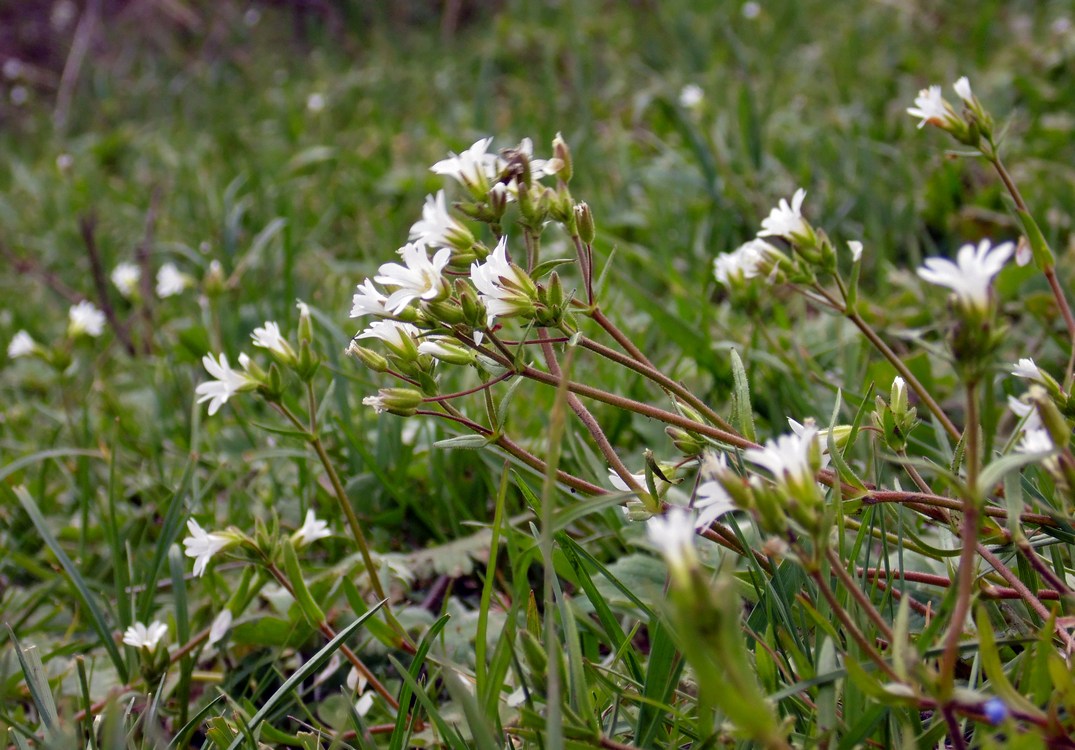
(37, 682)
(741, 408)
(97, 617)
(312, 665)
(398, 734)
(310, 610)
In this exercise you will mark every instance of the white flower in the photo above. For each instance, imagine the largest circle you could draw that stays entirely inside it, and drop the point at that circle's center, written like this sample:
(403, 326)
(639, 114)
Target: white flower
(438, 228)
(856, 250)
(788, 457)
(85, 318)
(399, 336)
(932, 108)
(474, 168)
(420, 278)
(1036, 441)
(962, 89)
(145, 636)
(202, 545)
(268, 336)
(742, 264)
(1026, 412)
(504, 288)
(21, 345)
(673, 533)
(369, 301)
(691, 95)
(364, 703)
(786, 221)
(126, 276)
(228, 382)
(711, 501)
(1025, 368)
(170, 281)
(538, 167)
(311, 530)
(219, 628)
(315, 102)
(751, 10)
(970, 277)
(377, 403)
(1023, 252)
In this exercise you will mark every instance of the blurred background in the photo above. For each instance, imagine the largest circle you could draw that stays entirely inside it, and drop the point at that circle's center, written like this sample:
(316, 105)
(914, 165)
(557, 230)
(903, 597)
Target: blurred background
(291, 142)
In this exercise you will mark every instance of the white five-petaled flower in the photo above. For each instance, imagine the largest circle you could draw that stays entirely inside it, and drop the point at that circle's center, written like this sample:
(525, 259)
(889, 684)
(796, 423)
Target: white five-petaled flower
(789, 458)
(227, 382)
(538, 167)
(438, 228)
(786, 220)
(368, 300)
(85, 318)
(21, 345)
(1025, 368)
(932, 108)
(145, 636)
(673, 533)
(419, 278)
(711, 501)
(311, 530)
(474, 168)
(503, 287)
(202, 545)
(268, 336)
(126, 276)
(171, 281)
(971, 276)
(219, 628)
(743, 263)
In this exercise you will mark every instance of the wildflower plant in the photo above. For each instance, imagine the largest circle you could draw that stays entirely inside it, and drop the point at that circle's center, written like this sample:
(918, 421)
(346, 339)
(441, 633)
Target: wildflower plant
(895, 566)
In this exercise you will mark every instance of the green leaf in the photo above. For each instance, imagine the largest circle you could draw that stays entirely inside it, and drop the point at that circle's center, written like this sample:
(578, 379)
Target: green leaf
(97, 617)
(312, 665)
(463, 442)
(1043, 256)
(310, 610)
(37, 682)
(398, 735)
(741, 409)
(547, 266)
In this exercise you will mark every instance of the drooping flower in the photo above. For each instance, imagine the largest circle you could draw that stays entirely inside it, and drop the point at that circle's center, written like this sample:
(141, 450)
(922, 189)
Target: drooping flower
(673, 533)
(743, 263)
(21, 345)
(933, 109)
(971, 276)
(202, 545)
(438, 228)
(145, 636)
(503, 287)
(311, 530)
(226, 384)
(419, 278)
(171, 281)
(787, 220)
(85, 319)
(126, 276)
(474, 168)
(219, 628)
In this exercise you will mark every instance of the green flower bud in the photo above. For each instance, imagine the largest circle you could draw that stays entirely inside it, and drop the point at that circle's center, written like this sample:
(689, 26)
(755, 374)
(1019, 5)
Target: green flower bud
(561, 151)
(584, 223)
(371, 359)
(402, 402)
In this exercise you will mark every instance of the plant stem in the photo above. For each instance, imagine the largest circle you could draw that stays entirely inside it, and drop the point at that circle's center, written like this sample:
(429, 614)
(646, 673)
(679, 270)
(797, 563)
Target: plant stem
(859, 595)
(969, 538)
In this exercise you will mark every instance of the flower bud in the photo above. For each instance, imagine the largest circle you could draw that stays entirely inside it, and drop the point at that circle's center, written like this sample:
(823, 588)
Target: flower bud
(1051, 418)
(308, 362)
(306, 324)
(561, 151)
(447, 350)
(214, 283)
(584, 223)
(445, 311)
(371, 359)
(402, 402)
